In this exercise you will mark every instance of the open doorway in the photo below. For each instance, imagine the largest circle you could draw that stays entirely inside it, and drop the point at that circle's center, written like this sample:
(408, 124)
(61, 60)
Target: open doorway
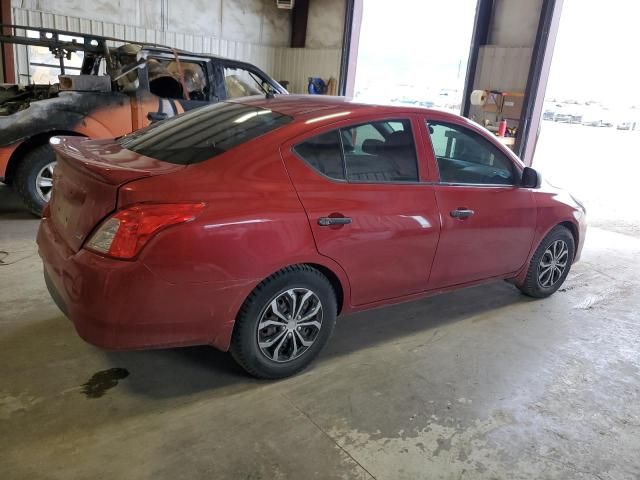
(590, 133)
(414, 52)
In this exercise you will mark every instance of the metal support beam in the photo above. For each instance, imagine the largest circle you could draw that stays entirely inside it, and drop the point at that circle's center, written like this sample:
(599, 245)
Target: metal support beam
(352, 21)
(8, 62)
(537, 80)
(299, 17)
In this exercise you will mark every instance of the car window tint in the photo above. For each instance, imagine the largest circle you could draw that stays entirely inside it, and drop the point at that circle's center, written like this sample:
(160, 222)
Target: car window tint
(463, 156)
(203, 133)
(323, 153)
(380, 152)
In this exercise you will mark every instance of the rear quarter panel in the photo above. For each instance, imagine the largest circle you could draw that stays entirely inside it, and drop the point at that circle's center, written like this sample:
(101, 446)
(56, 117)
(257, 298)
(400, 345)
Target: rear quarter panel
(252, 226)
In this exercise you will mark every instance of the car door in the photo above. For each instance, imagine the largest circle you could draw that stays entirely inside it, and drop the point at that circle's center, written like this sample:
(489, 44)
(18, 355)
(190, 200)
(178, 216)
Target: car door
(488, 221)
(369, 210)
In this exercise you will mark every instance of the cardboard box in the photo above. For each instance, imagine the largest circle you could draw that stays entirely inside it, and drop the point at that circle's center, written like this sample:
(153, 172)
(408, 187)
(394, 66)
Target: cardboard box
(512, 106)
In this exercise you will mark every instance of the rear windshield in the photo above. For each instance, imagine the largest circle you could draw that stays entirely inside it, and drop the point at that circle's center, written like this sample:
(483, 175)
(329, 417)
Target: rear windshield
(203, 133)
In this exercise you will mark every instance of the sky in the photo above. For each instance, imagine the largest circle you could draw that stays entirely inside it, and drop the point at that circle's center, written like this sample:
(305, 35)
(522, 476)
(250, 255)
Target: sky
(596, 54)
(413, 42)
(426, 43)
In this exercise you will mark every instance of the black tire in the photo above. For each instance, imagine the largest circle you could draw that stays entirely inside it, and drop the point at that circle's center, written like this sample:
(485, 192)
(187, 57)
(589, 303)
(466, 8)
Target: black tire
(244, 342)
(24, 181)
(533, 286)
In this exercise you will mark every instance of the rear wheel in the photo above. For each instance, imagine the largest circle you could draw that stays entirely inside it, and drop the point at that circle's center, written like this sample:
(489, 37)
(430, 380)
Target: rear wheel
(550, 263)
(284, 323)
(34, 178)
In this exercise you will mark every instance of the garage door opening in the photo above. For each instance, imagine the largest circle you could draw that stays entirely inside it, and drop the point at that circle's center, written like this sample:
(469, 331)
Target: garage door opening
(414, 52)
(590, 133)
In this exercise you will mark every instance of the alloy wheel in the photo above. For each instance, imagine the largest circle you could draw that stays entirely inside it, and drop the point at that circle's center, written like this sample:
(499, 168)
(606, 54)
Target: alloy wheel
(553, 263)
(44, 181)
(289, 325)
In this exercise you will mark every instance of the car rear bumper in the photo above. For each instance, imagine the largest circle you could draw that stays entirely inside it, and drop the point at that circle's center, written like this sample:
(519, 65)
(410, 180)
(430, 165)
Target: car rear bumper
(122, 305)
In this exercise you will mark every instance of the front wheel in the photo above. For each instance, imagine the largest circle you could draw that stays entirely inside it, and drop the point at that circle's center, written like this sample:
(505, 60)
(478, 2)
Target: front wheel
(34, 178)
(550, 263)
(284, 323)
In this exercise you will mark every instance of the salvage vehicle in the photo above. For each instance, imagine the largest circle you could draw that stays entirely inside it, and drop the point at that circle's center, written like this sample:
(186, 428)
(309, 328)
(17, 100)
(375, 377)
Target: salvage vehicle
(118, 89)
(251, 224)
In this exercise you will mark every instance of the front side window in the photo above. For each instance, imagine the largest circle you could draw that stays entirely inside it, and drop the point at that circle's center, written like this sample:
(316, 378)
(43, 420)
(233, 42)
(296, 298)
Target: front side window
(203, 133)
(463, 156)
(375, 152)
(240, 82)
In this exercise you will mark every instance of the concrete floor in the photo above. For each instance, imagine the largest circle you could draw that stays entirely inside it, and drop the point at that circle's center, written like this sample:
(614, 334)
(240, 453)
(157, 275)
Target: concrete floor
(477, 384)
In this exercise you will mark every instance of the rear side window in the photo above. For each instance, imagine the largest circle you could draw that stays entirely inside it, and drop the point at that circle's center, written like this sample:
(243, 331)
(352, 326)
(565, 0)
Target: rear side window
(380, 152)
(375, 152)
(324, 154)
(203, 133)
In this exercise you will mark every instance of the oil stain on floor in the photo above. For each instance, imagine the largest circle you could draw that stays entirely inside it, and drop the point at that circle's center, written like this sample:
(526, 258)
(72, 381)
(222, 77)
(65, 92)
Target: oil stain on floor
(102, 381)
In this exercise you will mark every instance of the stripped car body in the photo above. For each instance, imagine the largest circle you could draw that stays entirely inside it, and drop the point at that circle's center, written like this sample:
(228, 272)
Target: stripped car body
(121, 87)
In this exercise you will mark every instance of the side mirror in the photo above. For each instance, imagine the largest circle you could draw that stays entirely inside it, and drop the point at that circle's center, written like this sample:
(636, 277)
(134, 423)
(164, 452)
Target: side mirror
(530, 178)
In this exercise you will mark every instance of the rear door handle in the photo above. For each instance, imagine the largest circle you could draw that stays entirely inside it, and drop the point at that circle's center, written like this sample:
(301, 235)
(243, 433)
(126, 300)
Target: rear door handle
(461, 213)
(328, 221)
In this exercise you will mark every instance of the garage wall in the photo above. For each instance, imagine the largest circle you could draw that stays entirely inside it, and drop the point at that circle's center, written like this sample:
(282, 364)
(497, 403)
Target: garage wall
(251, 30)
(248, 21)
(322, 53)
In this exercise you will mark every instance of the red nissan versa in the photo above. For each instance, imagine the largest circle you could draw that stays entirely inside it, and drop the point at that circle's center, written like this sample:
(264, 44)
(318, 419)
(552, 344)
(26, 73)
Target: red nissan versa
(250, 225)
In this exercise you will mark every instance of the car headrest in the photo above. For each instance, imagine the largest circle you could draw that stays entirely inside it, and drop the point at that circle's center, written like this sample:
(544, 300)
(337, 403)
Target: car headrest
(372, 146)
(399, 139)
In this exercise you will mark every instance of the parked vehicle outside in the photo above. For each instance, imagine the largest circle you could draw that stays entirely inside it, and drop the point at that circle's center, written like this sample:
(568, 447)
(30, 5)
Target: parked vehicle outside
(251, 224)
(139, 84)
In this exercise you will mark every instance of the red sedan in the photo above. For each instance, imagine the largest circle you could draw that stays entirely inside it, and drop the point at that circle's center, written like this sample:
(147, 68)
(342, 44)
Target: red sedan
(250, 225)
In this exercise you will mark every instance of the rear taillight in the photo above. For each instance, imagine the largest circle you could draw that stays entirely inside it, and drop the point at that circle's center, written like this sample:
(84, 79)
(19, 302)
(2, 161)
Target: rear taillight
(125, 233)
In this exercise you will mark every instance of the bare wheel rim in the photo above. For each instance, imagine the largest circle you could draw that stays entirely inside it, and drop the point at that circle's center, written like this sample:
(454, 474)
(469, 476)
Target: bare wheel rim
(44, 181)
(553, 263)
(289, 325)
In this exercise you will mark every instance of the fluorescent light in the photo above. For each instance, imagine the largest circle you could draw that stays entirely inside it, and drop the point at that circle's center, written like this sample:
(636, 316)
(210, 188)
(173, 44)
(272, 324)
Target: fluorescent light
(327, 117)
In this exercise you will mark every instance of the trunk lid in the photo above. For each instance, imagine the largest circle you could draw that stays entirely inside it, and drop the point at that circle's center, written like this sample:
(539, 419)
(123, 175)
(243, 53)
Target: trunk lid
(86, 182)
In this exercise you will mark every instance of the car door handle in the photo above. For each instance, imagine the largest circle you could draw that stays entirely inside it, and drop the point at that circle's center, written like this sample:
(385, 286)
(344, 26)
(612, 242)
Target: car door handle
(328, 221)
(461, 213)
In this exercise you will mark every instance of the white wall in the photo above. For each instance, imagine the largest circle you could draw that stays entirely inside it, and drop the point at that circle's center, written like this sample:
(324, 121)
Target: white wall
(515, 23)
(325, 25)
(251, 30)
(252, 21)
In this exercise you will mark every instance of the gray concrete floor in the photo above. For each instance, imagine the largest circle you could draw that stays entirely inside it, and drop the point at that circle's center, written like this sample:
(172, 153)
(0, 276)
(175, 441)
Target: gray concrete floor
(477, 384)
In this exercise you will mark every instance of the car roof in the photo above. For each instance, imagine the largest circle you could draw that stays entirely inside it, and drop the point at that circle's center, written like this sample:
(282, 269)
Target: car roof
(309, 106)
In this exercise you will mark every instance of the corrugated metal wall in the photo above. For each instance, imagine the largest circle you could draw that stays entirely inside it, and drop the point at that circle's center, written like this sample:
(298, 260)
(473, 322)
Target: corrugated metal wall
(292, 64)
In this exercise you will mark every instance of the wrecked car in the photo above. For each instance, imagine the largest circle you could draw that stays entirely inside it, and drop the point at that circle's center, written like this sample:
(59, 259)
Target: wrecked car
(120, 87)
